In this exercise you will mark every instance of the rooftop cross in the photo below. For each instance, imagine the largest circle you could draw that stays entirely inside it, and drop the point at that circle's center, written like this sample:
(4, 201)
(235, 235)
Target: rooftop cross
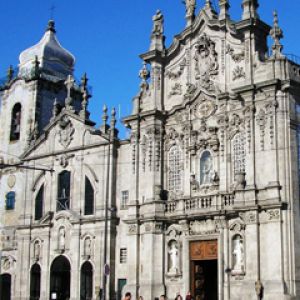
(52, 9)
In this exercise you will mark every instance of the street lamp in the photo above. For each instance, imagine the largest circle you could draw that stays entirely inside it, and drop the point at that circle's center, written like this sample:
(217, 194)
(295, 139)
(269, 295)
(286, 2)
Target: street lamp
(105, 265)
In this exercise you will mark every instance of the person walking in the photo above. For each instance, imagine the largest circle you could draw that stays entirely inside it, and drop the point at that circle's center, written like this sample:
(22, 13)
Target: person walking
(188, 296)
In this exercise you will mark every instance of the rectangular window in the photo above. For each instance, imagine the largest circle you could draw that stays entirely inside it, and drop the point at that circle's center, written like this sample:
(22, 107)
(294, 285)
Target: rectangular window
(124, 199)
(64, 189)
(10, 201)
(123, 255)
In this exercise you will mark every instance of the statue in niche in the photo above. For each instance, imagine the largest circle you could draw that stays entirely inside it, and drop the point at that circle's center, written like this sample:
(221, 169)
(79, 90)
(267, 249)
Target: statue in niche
(61, 239)
(87, 247)
(37, 250)
(207, 173)
(173, 257)
(238, 254)
(158, 21)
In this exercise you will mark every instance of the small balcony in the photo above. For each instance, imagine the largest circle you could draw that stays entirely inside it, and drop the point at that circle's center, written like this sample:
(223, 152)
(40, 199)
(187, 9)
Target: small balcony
(199, 205)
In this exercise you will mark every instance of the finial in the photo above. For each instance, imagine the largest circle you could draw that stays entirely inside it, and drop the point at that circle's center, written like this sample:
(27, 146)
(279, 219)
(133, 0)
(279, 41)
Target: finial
(104, 116)
(277, 34)
(35, 72)
(84, 104)
(190, 7)
(10, 73)
(113, 118)
(55, 109)
(250, 9)
(224, 9)
(208, 4)
(84, 81)
(209, 9)
(157, 37)
(51, 26)
(144, 74)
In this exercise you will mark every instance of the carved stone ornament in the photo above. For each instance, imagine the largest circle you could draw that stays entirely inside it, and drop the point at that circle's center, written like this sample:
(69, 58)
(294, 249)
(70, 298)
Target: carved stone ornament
(238, 73)
(207, 65)
(176, 89)
(66, 131)
(178, 73)
(204, 109)
(64, 159)
(132, 229)
(236, 57)
(272, 215)
(190, 91)
(11, 181)
(203, 227)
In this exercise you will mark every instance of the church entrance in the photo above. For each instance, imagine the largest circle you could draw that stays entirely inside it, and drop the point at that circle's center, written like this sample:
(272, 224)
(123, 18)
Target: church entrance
(60, 278)
(5, 287)
(204, 270)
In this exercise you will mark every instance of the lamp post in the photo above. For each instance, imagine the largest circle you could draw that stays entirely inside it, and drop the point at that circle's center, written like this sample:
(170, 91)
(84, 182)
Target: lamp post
(105, 265)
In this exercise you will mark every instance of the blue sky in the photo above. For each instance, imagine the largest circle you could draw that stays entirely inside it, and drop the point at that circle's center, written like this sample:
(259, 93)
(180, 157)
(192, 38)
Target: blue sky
(106, 37)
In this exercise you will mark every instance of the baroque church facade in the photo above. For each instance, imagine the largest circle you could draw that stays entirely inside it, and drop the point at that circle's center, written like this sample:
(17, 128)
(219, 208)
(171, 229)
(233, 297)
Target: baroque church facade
(203, 196)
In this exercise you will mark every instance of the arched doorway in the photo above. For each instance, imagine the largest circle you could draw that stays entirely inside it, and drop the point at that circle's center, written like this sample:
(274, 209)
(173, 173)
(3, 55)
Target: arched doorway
(5, 287)
(86, 281)
(35, 282)
(60, 278)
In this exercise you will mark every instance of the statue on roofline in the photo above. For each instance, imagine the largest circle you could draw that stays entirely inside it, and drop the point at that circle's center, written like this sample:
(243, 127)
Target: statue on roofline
(190, 6)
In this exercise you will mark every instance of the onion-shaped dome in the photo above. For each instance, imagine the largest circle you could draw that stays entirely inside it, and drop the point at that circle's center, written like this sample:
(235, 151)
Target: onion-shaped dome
(52, 57)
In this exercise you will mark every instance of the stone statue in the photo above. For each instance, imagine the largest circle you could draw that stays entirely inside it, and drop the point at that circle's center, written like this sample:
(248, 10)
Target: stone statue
(87, 247)
(173, 257)
(238, 254)
(61, 239)
(190, 6)
(158, 23)
(37, 250)
(206, 168)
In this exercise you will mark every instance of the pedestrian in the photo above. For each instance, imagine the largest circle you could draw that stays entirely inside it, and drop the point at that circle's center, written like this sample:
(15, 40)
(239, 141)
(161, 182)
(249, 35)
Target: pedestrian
(178, 297)
(188, 296)
(162, 297)
(127, 296)
(141, 298)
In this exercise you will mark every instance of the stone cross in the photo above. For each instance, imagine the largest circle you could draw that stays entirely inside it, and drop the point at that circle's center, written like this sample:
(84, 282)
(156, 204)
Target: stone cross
(69, 83)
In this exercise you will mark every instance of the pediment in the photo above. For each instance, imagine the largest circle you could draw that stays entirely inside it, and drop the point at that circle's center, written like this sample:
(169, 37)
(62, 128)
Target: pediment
(66, 132)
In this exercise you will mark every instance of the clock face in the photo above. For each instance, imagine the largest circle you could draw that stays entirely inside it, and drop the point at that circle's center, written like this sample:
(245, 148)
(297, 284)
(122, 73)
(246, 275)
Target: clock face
(204, 109)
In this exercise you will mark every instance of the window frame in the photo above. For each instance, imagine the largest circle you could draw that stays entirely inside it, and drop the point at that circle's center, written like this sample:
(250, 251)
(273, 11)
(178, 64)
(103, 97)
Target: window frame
(175, 169)
(10, 198)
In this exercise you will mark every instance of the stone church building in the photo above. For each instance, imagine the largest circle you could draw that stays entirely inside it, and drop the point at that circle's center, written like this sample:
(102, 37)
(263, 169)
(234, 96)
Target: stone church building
(203, 196)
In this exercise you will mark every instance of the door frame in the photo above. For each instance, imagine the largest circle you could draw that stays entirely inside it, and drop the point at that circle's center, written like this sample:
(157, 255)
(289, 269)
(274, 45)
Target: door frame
(186, 266)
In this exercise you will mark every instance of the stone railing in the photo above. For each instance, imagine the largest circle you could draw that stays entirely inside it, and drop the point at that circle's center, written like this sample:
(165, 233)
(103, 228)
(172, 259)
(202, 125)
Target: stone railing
(199, 204)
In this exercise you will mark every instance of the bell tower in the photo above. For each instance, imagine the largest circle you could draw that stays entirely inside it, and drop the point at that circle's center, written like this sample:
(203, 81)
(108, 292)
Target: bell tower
(31, 92)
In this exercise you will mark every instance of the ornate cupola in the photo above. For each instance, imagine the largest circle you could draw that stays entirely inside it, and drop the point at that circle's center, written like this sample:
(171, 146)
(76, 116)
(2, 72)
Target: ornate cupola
(53, 58)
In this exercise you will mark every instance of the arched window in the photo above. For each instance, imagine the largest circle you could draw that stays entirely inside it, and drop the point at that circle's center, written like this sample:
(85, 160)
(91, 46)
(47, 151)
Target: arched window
(239, 153)
(206, 168)
(175, 169)
(35, 282)
(10, 201)
(89, 198)
(64, 189)
(39, 204)
(86, 281)
(15, 122)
